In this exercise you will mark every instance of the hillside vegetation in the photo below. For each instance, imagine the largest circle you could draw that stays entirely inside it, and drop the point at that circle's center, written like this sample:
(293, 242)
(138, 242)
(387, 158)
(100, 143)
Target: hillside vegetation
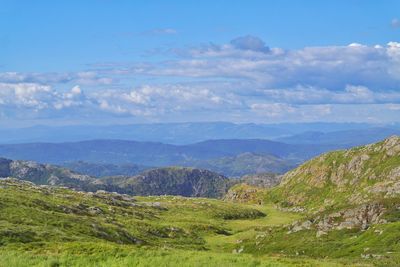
(50, 226)
(342, 178)
(339, 209)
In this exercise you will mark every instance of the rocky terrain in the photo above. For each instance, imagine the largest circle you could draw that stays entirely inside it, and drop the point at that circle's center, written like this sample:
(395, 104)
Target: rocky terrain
(349, 189)
(44, 174)
(243, 193)
(264, 180)
(342, 206)
(344, 178)
(172, 181)
(162, 181)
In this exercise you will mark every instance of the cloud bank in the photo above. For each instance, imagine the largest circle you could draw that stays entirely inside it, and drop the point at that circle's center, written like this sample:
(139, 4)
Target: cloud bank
(243, 80)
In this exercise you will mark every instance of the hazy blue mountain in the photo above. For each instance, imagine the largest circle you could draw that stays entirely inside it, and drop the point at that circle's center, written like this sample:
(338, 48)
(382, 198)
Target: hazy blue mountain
(155, 154)
(348, 137)
(172, 133)
(246, 163)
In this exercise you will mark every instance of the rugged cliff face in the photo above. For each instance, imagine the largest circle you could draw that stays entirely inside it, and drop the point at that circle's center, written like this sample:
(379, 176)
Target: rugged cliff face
(344, 178)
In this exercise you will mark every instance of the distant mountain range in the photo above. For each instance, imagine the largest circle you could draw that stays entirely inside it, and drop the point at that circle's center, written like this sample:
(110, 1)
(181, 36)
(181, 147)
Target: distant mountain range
(246, 163)
(232, 166)
(227, 148)
(231, 157)
(172, 133)
(347, 137)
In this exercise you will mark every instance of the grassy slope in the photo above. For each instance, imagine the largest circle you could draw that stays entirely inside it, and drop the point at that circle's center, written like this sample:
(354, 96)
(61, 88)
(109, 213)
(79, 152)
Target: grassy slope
(329, 181)
(53, 227)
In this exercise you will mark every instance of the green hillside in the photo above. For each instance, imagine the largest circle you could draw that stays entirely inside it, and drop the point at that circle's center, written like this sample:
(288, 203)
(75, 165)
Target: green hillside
(342, 178)
(339, 209)
(49, 226)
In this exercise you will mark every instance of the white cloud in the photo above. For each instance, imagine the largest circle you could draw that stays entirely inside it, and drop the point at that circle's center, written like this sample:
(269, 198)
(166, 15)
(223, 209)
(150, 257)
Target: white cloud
(25, 95)
(243, 80)
(332, 67)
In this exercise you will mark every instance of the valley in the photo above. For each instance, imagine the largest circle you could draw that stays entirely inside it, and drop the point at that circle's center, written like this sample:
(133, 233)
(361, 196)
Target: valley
(338, 209)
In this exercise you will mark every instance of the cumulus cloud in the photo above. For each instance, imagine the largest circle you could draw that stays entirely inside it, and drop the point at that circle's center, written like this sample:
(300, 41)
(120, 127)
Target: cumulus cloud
(331, 67)
(156, 100)
(242, 80)
(25, 95)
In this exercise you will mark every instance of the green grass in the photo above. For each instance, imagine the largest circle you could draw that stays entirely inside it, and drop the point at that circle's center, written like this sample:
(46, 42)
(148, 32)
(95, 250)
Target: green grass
(109, 255)
(59, 227)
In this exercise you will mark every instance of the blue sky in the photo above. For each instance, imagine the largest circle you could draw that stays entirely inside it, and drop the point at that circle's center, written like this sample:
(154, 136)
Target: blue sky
(85, 62)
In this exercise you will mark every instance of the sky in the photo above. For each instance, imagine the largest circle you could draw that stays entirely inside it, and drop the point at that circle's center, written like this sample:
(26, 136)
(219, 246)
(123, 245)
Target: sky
(262, 61)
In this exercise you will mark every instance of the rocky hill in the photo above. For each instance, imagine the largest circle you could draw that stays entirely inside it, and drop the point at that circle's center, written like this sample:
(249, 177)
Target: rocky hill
(342, 178)
(172, 181)
(162, 181)
(342, 206)
(264, 180)
(45, 174)
(244, 193)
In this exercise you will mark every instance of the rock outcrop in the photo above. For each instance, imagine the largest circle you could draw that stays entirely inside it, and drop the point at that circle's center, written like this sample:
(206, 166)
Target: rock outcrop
(243, 193)
(342, 178)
